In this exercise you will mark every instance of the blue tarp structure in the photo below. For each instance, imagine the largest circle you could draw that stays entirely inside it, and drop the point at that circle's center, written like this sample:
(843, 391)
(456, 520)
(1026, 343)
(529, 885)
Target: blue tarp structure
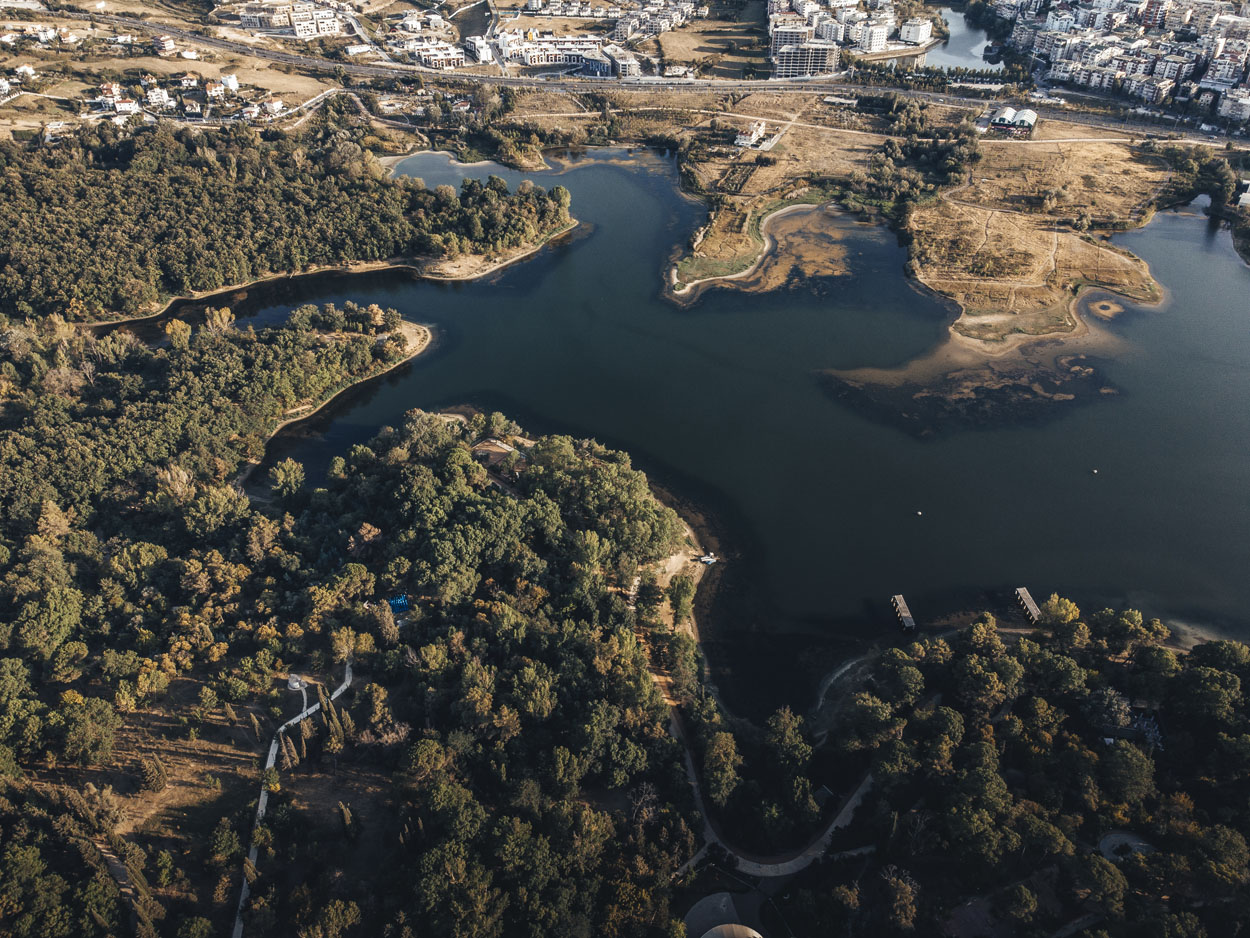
(398, 603)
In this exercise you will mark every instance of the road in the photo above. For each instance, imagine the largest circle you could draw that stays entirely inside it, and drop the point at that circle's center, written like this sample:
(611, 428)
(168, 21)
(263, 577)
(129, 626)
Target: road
(263, 801)
(584, 85)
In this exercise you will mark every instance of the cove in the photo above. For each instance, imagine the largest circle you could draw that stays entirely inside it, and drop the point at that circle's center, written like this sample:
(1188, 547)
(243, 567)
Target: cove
(964, 48)
(816, 504)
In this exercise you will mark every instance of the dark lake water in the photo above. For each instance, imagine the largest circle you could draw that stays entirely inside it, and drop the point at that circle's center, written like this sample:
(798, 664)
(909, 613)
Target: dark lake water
(818, 504)
(964, 48)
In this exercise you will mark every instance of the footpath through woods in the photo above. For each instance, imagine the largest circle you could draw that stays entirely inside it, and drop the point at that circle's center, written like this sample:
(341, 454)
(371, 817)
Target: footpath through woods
(764, 867)
(263, 801)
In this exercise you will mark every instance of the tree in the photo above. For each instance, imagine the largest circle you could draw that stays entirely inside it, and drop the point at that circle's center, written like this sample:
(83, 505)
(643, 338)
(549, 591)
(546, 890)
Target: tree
(333, 921)
(1107, 708)
(90, 725)
(680, 595)
(1059, 611)
(179, 334)
(900, 903)
(155, 777)
(720, 768)
(1127, 772)
(1019, 903)
(1099, 884)
(784, 737)
(1206, 694)
(286, 478)
(195, 927)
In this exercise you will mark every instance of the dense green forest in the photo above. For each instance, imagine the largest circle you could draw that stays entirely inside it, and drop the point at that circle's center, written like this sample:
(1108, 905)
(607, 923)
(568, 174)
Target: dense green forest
(1083, 773)
(531, 786)
(110, 221)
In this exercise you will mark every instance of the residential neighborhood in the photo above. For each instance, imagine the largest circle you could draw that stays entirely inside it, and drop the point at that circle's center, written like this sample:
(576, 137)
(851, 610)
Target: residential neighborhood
(1155, 51)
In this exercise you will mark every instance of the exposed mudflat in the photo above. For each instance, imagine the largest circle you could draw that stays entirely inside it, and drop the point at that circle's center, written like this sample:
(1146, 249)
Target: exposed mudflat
(1020, 389)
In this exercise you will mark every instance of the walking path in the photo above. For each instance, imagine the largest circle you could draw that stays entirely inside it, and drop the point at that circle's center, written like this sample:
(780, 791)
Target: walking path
(778, 866)
(263, 801)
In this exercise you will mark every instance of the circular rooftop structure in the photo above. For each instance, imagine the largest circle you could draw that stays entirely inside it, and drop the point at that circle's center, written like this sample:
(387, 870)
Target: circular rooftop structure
(732, 931)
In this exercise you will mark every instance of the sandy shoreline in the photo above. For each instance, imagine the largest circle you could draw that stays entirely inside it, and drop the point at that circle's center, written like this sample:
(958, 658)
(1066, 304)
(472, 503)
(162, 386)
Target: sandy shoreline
(465, 268)
(392, 161)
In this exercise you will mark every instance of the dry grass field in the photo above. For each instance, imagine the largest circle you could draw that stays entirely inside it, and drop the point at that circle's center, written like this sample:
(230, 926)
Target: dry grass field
(718, 48)
(1005, 248)
(1009, 246)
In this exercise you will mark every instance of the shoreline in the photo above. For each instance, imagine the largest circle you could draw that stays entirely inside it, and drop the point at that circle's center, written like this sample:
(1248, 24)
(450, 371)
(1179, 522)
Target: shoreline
(420, 338)
(426, 271)
(391, 161)
(689, 293)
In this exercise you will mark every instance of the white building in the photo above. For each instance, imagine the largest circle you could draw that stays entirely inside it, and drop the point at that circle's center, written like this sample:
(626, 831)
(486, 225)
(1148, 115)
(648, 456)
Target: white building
(623, 62)
(1236, 105)
(831, 30)
(787, 30)
(916, 31)
(265, 16)
(158, 98)
(814, 57)
(872, 38)
(479, 49)
(436, 54)
(231, 83)
(751, 136)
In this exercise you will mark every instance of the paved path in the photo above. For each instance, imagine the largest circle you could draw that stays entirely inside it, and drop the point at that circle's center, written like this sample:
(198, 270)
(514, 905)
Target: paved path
(773, 866)
(263, 801)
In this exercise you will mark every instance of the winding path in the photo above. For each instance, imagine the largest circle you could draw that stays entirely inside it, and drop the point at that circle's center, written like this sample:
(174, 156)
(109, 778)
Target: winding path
(263, 801)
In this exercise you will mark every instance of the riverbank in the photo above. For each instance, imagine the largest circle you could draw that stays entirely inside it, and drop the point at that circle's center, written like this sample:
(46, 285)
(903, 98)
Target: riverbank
(464, 268)
(418, 338)
(391, 161)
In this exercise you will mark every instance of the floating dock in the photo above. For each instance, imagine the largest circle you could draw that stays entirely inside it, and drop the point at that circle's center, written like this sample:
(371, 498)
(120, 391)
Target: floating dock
(904, 614)
(1028, 605)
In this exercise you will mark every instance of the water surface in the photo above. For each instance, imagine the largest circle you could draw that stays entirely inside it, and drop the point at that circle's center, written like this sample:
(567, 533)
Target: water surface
(964, 48)
(826, 512)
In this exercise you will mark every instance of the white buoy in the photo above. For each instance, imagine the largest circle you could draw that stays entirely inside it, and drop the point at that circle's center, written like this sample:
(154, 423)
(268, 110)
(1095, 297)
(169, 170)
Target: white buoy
(919, 513)
(1095, 472)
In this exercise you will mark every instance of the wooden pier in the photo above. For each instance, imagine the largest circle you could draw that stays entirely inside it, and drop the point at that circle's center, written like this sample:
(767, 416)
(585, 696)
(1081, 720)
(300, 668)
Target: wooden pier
(1028, 605)
(904, 614)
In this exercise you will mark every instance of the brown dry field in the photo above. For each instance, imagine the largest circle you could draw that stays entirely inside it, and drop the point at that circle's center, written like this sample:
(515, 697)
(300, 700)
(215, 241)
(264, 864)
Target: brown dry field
(547, 102)
(1014, 273)
(380, 8)
(722, 48)
(211, 65)
(987, 245)
(1012, 268)
(224, 752)
(1064, 130)
(1101, 178)
(559, 25)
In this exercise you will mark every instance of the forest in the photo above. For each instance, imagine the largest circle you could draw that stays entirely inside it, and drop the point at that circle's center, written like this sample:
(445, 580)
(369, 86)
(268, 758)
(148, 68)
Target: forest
(110, 222)
(502, 765)
(1085, 772)
(530, 786)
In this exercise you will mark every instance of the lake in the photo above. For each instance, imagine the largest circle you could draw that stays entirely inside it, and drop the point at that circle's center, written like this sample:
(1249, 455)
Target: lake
(825, 512)
(964, 48)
